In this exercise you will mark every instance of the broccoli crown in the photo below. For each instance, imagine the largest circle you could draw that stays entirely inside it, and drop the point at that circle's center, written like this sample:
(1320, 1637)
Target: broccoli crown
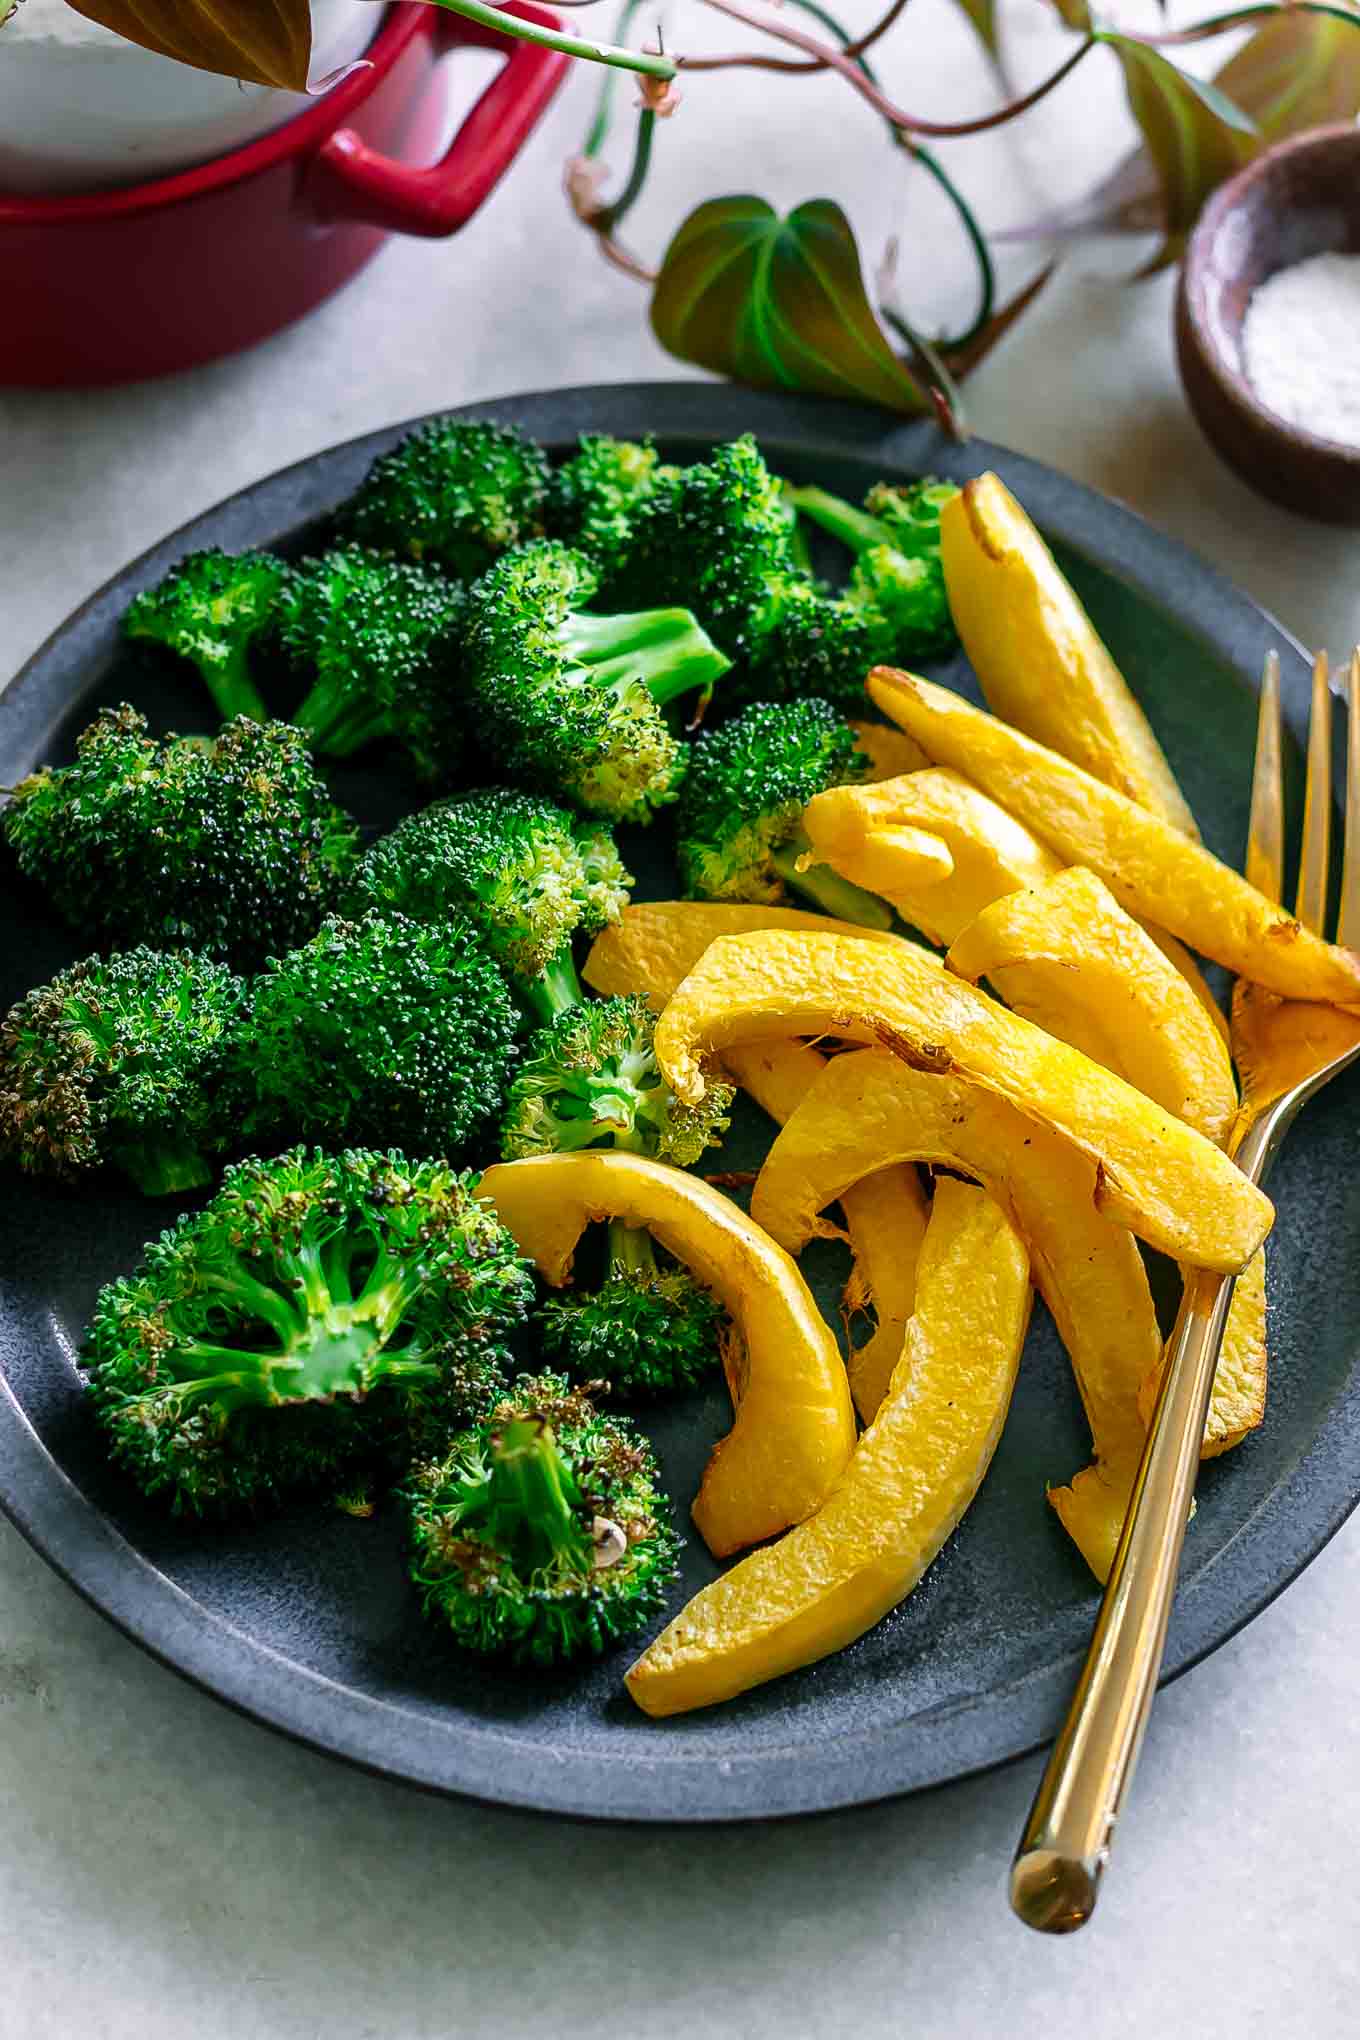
(806, 641)
(594, 498)
(746, 789)
(453, 493)
(118, 1062)
(320, 1312)
(646, 1331)
(720, 535)
(898, 577)
(572, 702)
(233, 846)
(527, 872)
(713, 535)
(379, 1029)
(591, 1077)
(209, 610)
(377, 638)
(544, 1535)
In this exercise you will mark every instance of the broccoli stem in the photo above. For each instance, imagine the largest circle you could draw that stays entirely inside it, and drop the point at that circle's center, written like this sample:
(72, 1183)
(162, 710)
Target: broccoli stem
(555, 989)
(855, 528)
(829, 891)
(164, 1165)
(232, 687)
(630, 1248)
(665, 650)
(529, 1497)
(334, 725)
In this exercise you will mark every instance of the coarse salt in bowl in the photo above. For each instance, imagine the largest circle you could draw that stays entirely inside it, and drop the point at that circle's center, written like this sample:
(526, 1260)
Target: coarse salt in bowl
(1265, 337)
(83, 110)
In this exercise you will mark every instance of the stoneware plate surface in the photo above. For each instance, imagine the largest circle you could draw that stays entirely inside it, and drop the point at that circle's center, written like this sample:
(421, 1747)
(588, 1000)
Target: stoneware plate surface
(306, 1622)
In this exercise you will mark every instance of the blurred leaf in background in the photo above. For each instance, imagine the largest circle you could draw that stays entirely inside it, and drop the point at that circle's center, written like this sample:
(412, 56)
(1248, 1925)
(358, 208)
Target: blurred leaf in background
(265, 42)
(777, 302)
(1194, 133)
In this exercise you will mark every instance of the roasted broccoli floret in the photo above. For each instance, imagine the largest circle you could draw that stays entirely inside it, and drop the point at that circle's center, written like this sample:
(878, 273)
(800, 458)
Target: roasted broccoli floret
(378, 640)
(209, 610)
(118, 1064)
(898, 572)
(544, 1535)
(591, 1078)
(527, 872)
(571, 701)
(454, 494)
(378, 1029)
(321, 1313)
(719, 536)
(233, 846)
(648, 1331)
(739, 827)
(594, 498)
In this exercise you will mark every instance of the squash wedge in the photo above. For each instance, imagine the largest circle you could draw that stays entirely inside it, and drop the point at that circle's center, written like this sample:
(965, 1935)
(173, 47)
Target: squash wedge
(890, 751)
(1066, 955)
(1150, 867)
(794, 1428)
(868, 1109)
(656, 943)
(857, 830)
(913, 1474)
(1160, 1178)
(1038, 657)
(647, 952)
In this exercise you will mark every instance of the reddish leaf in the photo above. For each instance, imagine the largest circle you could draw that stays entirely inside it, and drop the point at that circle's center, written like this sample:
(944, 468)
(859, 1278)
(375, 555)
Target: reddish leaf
(982, 14)
(265, 42)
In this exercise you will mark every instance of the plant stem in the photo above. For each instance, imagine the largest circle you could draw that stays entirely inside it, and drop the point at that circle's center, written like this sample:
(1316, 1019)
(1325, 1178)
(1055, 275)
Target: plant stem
(604, 105)
(553, 39)
(908, 123)
(606, 221)
(829, 891)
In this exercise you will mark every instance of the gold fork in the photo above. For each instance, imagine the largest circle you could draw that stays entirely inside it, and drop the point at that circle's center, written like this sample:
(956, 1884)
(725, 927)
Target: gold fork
(1285, 1051)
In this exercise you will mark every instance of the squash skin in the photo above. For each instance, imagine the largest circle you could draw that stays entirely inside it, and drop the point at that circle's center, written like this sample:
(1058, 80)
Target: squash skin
(794, 1428)
(1040, 661)
(1156, 1176)
(1066, 955)
(1156, 873)
(648, 952)
(869, 1108)
(913, 1474)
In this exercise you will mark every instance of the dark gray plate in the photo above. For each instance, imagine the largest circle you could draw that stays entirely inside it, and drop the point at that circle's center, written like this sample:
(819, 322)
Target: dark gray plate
(306, 1623)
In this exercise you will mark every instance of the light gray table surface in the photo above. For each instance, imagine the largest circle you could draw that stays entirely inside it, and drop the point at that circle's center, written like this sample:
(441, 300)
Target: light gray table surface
(167, 1869)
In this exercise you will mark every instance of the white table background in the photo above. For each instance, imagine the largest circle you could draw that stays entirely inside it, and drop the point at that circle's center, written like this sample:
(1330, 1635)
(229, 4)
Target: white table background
(168, 1869)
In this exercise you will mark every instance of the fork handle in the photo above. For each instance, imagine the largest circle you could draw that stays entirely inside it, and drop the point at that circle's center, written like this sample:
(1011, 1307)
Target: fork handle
(1056, 1875)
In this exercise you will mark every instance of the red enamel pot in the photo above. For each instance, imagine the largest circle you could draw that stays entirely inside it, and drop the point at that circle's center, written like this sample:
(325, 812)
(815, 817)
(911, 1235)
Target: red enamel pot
(116, 285)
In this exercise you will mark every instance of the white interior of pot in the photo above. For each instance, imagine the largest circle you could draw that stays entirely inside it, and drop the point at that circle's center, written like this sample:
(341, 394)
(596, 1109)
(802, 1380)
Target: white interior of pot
(82, 110)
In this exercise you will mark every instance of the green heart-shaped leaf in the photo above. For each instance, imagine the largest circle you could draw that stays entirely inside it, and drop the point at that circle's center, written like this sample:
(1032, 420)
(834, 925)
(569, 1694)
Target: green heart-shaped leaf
(777, 302)
(265, 42)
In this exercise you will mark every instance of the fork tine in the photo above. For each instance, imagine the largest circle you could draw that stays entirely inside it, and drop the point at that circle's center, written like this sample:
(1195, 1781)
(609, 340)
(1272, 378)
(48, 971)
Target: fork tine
(1265, 839)
(1348, 928)
(1311, 905)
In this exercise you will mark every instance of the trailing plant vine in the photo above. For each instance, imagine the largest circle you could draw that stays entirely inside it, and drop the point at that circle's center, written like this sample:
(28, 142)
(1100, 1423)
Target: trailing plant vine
(782, 300)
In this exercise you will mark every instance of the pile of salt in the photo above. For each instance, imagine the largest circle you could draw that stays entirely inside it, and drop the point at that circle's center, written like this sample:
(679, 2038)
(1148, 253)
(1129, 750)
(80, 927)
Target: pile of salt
(1301, 346)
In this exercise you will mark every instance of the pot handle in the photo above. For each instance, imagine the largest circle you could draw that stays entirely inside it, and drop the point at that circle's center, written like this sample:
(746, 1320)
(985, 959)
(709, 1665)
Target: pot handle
(380, 191)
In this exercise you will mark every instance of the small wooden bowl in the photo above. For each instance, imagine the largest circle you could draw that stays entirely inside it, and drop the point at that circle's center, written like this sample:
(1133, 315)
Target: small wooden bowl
(1300, 198)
